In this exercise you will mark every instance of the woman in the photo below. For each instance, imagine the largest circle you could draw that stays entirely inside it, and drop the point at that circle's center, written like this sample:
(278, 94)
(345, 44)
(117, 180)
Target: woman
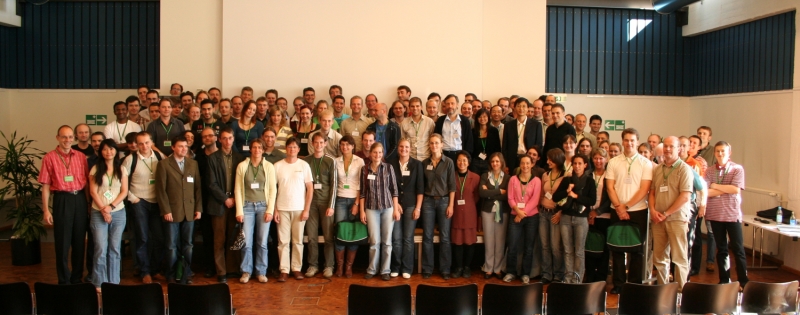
(573, 222)
(603, 145)
(569, 118)
(108, 187)
(523, 197)
(201, 96)
(486, 142)
(283, 105)
(189, 143)
(379, 208)
(549, 232)
(246, 129)
(569, 146)
(585, 148)
(645, 150)
(465, 227)
(412, 188)
(398, 112)
(348, 169)
(614, 149)
(278, 123)
(194, 115)
(437, 206)
(304, 128)
(255, 192)
(599, 218)
(493, 190)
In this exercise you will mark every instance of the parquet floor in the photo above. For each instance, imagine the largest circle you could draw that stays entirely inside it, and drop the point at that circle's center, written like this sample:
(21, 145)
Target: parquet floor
(309, 296)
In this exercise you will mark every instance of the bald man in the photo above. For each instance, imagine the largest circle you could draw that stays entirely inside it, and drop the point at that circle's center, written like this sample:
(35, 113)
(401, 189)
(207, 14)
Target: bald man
(386, 132)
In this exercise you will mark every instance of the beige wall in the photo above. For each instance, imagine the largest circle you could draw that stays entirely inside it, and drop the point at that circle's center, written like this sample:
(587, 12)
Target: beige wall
(709, 15)
(191, 43)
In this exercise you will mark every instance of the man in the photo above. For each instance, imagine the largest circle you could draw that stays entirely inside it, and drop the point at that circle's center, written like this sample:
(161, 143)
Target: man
(432, 109)
(261, 110)
(497, 117)
(417, 129)
(220, 177)
(272, 97)
(653, 140)
(367, 139)
(270, 153)
(152, 97)
(595, 123)
(403, 93)
(153, 112)
(520, 135)
(371, 100)
(580, 125)
(602, 136)
(246, 94)
(455, 129)
(486, 104)
(187, 99)
(338, 110)
(83, 131)
(628, 179)
(387, 132)
(725, 183)
(165, 128)
(698, 203)
(179, 198)
(95, 139)
(331, 136)
(225, 112)
(537, 112)
(134, 106)
(509, 114)
(177, 113)
(466, 111)
(469, 97)
(142, 168)
(670, 192)
(309, 96)
(323, 170)
(435, 96)
(206, 120)
(476, 106)
(141, 92)
(295, 192)
(236, 107)
(355, 125)
(706, 149)
(215, 95)
(64, 174)
(554, 136)
(118, 129)
(175, 89)
(547, 114)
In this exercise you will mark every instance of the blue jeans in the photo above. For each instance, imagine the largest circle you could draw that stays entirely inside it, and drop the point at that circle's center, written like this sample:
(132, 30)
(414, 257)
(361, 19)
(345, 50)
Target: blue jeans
(552, 254)
(521, 236)
(255, 229)
(403, 242)
(179, 233)
(379, 225)
(341, 212)
(107, 244)
(573, 235)
(435, 210)
(150, 237)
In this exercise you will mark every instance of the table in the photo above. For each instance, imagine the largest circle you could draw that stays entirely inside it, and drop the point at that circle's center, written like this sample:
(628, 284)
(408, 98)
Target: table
(772, 226)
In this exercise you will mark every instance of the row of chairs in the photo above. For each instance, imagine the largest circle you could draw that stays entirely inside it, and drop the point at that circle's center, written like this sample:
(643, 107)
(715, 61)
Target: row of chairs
(139, 299)
(588, 298)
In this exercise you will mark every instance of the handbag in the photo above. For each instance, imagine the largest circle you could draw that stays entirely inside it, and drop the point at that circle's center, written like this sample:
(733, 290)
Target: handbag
(595, 242)
(624, 236)
(238, 242)
(351, 233)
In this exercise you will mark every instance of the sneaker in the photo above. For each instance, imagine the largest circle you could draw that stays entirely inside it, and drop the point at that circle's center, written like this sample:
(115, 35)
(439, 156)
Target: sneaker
(245, 278)
(394, 274)
(526, 279)
(311, 271)
(262, 278)
(327, 272)
(406, 275)
(368, 276)
(508, 278)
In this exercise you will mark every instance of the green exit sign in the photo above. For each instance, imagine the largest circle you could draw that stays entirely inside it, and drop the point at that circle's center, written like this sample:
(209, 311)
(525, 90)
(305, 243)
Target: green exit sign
(560, 98)
(96, 120)
(614, 125)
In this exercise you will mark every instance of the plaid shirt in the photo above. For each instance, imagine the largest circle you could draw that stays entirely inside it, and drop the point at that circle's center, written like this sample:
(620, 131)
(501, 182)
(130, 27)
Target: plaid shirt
(378, 192)
(54, 170)
(726, 207)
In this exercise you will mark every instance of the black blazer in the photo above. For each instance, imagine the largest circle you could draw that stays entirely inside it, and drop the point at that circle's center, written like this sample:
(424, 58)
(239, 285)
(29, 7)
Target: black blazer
(466, 132)
(533, 136)
(409, 186)
(489, 195)
(392, 135)
(478, 165)
(215, 181)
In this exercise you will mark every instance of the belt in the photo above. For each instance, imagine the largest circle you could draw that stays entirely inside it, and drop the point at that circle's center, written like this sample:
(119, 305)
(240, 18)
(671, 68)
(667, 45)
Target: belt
(72, 192)
(436, 197)
(543, 209)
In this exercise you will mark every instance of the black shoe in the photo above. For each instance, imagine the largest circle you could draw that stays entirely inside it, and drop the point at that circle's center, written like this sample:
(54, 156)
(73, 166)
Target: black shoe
(386, 277)
(487, 275)
(615, 290)
(694, 272)
(209, 274)
(457, 273)
(499, 275)
(446, 276)
(189, 280)
(546, 281)
(222, 279)
(368, 276)
(537, 277)
(426, 275)
(467, 273)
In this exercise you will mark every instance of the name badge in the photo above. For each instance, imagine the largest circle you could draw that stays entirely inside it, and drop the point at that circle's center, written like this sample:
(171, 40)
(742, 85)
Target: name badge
(346, 186)
(482, 156)
(371, 177)
(246, 148)
(406, 173)
(68, 179)
(317, 186)
(167, 143)
(354, 133)
(108, 194)
(521, 205)
(663, 189)
(151, 182)
(430, 167)
(254, 186)
(190, 179)
(548, 196)
(461, 202)
(628, 180)
(303, 140)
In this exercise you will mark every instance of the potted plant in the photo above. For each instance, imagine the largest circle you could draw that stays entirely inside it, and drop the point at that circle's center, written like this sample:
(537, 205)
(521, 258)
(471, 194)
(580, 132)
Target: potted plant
(19, 173)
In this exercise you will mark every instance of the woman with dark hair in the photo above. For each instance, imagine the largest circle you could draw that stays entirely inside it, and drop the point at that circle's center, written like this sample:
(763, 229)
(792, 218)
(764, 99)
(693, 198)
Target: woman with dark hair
(573, 223)
(409, 173)
(348, 169)
(304, 128)
(464, 227)
(569, 146)
(246, 129)
(599, 218)
(493, 190)
(379, 209)
(108, 187)
(523, 198)
(569, 118)
(585, 148)
(549, 232)
(486, 141)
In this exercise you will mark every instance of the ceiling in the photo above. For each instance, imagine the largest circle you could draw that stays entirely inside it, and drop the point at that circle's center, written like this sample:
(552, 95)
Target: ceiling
(626, 4)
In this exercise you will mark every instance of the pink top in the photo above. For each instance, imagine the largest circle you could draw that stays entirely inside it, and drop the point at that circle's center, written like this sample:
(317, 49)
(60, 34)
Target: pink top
(531, 199)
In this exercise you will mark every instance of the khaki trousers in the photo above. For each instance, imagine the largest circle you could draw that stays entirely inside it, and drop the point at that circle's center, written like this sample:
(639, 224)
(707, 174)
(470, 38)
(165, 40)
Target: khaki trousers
(290, 231)
(669, 241)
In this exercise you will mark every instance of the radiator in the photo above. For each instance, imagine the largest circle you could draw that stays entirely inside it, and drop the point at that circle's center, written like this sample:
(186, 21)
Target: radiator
(754, 200)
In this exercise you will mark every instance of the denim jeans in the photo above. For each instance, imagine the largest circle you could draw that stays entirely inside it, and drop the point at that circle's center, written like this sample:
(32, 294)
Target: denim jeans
(573, 235)
(379, 225)
(552, 254)
(403, 242)
(697, 245)
(435, 210)
(107, 245)
(722, 232)
(179, 234)
(150, 244)
(521, 237)
(255, 231)
(341, 212)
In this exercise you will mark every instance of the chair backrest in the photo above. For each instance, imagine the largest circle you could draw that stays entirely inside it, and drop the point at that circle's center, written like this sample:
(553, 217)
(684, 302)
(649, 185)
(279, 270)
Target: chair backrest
(208, 299)
(72, 299)
(393, 300)
(769, 298)
(15, 298)
(576, 298)
(435, 300)
(700, 298)
(144, 299)
(512, 299)
(641, 299)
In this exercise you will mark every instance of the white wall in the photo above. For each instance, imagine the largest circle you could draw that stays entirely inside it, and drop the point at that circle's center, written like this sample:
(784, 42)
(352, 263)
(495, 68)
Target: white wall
(191, 43)
(708, 15)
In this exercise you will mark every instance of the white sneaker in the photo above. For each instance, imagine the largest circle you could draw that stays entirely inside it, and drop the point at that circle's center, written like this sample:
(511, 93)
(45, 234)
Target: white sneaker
(508, 278)
(311, 272)
(526, 279)
(406, 275)
(327, 272)
(394, 274)
(245, 278)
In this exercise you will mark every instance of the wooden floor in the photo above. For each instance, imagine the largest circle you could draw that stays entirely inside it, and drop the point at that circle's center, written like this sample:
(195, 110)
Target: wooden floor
(309, 296)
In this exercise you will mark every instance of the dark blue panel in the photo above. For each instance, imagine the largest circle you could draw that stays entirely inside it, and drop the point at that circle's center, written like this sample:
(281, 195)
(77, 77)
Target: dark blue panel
(119, 37)
(592, 53)
(551, 49)
(568, 49)
(583, 75)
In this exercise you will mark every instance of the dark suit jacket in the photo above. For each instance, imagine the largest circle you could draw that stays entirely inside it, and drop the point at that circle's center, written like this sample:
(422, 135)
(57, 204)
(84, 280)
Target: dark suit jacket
(466, 132)
(214, 176)
(533, 136)
(175, 194)
(392, 135)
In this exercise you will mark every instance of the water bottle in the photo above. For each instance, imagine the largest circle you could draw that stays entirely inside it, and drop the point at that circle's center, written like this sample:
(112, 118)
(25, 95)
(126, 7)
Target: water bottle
(779, 216)
(792, 220)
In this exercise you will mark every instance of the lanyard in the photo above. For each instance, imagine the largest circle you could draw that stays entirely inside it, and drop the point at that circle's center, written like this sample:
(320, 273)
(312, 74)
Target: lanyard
(671, 168)
(165, 127)
(552, 180)
(121, 139)
(724, 173)
(461, 193)
(347, 168)
(636, 155)
(416, 127)
(567, 168)
(497, 180)
(483, 144)
(317, 163)
(597, 181)
(110, 178)
(65, 162)
(247, 133)
(149, 167)
(255, 170)
(524, 186)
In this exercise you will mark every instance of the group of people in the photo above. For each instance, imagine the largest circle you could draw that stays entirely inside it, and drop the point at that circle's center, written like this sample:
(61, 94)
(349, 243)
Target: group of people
(532, 182)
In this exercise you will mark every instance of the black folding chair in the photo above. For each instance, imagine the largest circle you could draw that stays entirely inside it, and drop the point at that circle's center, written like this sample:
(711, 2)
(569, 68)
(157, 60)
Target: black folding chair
(576, 298)
(209, 299)
(434, 300)
(700, 298)
(512, 299)
(769, 298)
(138, 299)
(640, 299)
(15, 298)
(67, 299)
(394, 300)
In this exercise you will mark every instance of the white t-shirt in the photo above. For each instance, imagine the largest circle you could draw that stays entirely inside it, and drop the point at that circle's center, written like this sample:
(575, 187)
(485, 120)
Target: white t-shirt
(117, 131)
(628, 174)
(292, 179)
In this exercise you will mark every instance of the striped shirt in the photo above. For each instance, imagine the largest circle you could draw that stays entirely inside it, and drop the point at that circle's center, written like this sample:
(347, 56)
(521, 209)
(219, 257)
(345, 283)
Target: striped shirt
(56, 168)
(378, 188)
(280, 138)
(726, 207)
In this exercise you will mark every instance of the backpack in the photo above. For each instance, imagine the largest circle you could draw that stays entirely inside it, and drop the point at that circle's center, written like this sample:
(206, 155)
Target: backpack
(595, 242)
(624, 236)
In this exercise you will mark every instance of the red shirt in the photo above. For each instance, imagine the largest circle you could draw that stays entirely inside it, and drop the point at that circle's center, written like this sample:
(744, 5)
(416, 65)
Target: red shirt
(56, 167)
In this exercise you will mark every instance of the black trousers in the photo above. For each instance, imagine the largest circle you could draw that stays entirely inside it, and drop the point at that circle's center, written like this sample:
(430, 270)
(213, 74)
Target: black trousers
(597, 265)
(637, 262)
(70, 222)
